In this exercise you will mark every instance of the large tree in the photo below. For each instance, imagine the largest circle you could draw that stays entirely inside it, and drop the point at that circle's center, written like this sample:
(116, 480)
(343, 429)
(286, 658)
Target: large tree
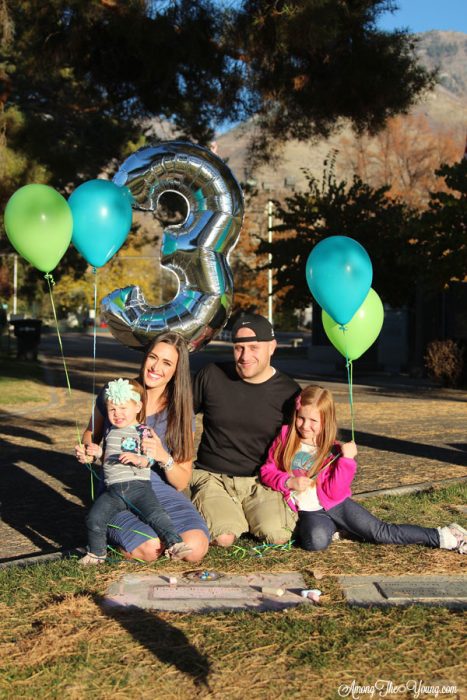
(79, 80)
(84, 74)
(312, 63)
(405, 155)
(443, 230)
(410, 250)
(384, 227)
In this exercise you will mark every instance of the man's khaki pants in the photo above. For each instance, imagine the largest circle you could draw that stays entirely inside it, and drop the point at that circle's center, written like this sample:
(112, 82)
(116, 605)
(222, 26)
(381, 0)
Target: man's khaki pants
(238, 504)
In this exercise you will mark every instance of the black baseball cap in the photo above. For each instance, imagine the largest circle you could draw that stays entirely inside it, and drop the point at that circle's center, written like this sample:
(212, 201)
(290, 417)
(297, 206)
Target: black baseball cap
(258, 324)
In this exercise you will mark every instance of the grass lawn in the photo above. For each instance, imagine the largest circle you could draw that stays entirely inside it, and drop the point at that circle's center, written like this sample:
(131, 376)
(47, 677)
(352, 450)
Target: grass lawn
(21, 381)
(59, 642)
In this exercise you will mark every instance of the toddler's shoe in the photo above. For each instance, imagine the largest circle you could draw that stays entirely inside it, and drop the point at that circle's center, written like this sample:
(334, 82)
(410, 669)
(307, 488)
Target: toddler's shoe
(91, 559)
(453, 537)
(177, 550)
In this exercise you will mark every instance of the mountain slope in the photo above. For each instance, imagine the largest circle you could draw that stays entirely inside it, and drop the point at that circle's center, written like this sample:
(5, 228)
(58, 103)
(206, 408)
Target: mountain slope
(445, 109)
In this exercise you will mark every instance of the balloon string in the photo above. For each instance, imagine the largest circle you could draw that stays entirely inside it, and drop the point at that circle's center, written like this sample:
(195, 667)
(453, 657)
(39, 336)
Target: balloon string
(51, 283)
(115, 551)
(349, 366)
(138, 532)
(93, 472)
(94, 348)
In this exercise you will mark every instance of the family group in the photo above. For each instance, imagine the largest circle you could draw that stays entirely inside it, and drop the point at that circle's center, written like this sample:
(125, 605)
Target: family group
(268, 462)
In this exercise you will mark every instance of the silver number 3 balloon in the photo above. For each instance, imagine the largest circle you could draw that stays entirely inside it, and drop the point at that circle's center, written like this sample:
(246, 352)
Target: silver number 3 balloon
(196, 250)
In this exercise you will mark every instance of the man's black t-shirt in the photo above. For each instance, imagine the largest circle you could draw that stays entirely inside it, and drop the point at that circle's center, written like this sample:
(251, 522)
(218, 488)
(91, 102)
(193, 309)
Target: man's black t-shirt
(240, 419)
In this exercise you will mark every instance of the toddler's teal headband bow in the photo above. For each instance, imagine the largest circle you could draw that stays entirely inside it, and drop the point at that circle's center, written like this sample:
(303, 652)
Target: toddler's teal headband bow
(120, 391)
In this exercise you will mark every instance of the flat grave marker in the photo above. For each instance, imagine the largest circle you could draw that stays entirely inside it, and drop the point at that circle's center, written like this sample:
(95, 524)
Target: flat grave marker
(449, 591)
(190, 592)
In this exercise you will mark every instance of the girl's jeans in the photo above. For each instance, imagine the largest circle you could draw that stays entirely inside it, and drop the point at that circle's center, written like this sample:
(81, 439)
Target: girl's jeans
(136, 496)
(316, 528)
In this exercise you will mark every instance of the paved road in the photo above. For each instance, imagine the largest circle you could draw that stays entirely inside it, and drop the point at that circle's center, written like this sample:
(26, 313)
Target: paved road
(407, 434)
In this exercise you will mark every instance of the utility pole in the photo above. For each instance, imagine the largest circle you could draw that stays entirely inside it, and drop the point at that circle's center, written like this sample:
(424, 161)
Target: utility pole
(270, 212)
(15, 283)
(15, 279)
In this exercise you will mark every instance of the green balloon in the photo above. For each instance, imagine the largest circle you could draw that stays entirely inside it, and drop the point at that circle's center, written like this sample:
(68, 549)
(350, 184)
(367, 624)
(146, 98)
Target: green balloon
(39, 224)
(356, 336)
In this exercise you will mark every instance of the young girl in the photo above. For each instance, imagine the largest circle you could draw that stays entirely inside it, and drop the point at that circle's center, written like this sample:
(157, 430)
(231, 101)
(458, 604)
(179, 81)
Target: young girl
(314, 473)
(127, 475)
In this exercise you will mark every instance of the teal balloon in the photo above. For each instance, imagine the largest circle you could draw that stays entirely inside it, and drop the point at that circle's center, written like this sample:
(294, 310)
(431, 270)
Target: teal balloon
(102, 217)
(339, 274)
(355, 337)
(38, 223)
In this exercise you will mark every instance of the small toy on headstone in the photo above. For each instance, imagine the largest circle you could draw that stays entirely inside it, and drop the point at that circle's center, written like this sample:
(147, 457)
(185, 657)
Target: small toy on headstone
(270, 590)
(312, 594)
(203, 575)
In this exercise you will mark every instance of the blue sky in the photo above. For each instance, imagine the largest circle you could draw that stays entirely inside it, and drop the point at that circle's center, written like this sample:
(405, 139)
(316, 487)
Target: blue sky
(416, 15)
(423, 15)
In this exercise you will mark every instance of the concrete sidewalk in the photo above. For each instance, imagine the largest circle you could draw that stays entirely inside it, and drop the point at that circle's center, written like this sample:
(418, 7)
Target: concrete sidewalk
(407, 434)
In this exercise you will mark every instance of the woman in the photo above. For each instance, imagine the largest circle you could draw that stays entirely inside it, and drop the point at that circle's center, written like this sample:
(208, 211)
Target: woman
(168, 411)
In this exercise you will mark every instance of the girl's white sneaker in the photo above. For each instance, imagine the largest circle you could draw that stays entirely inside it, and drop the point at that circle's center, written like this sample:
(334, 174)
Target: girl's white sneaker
(453, 537)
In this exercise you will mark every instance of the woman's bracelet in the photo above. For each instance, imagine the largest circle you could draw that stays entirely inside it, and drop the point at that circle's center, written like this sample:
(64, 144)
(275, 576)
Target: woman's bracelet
(168, 465)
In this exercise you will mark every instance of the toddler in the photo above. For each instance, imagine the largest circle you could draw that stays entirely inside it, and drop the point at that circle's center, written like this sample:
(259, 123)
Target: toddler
(127, 475)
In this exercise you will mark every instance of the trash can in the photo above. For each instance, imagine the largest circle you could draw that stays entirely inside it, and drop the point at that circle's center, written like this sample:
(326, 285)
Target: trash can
(28, 335)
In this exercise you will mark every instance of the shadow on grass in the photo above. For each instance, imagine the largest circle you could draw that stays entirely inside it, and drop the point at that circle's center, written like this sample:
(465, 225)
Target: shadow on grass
(31, 503)
(20, 369)
(111, 357)
(20, 432)
(459, 445)
(164, 641)
(405, 447)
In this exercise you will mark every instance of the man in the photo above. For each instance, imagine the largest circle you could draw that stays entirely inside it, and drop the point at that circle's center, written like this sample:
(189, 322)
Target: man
(244, 403)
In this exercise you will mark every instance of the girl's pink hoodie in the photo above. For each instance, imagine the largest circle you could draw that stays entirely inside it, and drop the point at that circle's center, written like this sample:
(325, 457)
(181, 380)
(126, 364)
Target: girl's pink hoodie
(332, 484)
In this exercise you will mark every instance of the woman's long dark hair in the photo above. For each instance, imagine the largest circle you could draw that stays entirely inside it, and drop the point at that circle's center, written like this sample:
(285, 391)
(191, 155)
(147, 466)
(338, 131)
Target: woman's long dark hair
(179, 399)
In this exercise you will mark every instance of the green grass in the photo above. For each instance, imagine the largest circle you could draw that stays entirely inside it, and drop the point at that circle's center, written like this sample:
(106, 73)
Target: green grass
(59, 642)
(21, 381)
(430, 508)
